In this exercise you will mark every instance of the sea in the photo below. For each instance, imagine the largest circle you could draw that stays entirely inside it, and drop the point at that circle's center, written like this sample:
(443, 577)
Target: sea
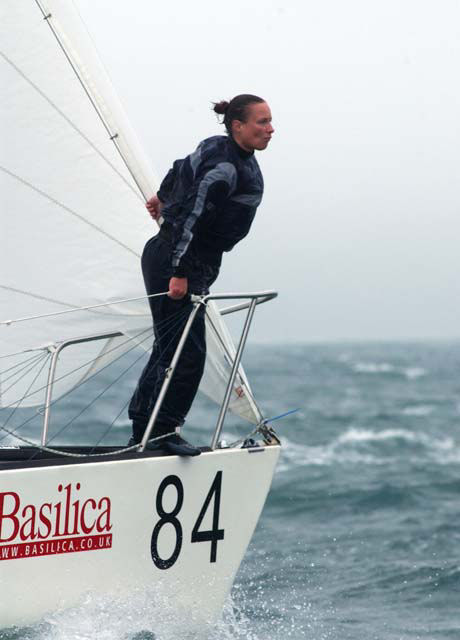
(360, 535)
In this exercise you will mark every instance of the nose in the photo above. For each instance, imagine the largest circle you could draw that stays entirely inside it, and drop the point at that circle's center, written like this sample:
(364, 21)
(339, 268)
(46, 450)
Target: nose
(271, 129)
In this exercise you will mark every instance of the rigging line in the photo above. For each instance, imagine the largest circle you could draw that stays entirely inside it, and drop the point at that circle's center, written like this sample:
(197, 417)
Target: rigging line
(85, 364)
(130, 339)
(232, 445)
(53, 300)
(180, 328)
(65, 394)
(77, 455)
(258, 429)
(260, 425)
(67, 425)
(3, 426)
(67, 454)
(19, 363)
(107, 431)
(92, 306)
(113, 136)
(69, 121)
(282, 415)
(68, 210)
(30, 367)
(231, 359)
(20, 353)
(73, 455)
(178, 324)
(26, 363)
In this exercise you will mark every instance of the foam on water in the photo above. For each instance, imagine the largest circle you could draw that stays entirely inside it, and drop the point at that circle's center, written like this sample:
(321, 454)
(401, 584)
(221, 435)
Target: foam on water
(411, 372)
(372, 367)
(419, 411)
(300, 455)
(142, 616)
(360, 446)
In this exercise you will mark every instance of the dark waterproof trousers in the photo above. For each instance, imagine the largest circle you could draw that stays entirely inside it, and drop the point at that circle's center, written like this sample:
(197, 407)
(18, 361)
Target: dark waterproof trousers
(169, 319)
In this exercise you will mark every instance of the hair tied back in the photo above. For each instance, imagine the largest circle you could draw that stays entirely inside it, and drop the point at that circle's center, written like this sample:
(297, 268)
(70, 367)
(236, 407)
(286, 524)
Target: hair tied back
(221, 107)
(236, 109)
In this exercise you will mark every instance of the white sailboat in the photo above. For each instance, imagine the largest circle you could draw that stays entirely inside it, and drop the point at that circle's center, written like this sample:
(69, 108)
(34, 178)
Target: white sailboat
(73, 519)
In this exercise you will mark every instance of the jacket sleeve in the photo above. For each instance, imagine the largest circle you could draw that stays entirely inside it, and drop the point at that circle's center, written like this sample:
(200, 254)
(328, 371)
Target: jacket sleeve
(210, 189)
(168, 181)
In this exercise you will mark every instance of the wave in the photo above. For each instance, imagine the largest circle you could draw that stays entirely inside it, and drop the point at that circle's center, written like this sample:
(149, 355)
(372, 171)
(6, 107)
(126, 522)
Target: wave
(421, 410)
(371, 367)
(411, 373)
(294, 454)
(366, 446)
(139, 615)
(431, 443)
(145, 615)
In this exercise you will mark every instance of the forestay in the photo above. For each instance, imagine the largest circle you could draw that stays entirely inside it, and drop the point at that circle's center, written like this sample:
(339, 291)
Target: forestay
(73, 224)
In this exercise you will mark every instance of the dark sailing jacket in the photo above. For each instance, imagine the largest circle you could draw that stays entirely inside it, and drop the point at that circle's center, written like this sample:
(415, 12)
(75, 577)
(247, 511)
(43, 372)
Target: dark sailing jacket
(209, 202)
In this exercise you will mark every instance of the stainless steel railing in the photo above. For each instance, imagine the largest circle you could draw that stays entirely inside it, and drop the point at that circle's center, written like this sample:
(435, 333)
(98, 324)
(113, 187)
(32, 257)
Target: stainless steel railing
(252, 300)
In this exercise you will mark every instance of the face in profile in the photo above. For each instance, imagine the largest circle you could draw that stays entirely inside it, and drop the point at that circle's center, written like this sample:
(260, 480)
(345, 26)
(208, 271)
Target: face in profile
(256, 132)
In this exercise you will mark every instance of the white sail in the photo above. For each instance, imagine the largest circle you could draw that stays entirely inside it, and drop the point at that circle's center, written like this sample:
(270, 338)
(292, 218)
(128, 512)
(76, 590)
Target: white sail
(73, 223)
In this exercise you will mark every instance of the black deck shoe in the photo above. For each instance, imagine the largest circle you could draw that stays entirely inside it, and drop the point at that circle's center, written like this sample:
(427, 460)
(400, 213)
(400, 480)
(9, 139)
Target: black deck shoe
(178, 446)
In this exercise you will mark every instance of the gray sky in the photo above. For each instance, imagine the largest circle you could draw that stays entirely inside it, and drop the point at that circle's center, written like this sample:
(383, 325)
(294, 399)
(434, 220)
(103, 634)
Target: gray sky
(359, 226)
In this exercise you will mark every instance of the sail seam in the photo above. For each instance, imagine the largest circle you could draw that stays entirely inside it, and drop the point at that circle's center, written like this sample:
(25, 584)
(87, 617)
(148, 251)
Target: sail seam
(37, 296)
(72, 124)
(69, 210)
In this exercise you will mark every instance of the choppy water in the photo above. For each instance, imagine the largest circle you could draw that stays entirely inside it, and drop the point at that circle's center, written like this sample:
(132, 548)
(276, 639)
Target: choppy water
(360, 536)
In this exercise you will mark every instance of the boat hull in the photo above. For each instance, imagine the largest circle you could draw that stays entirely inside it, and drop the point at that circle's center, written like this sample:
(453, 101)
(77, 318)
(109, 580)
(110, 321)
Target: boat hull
(181, 525)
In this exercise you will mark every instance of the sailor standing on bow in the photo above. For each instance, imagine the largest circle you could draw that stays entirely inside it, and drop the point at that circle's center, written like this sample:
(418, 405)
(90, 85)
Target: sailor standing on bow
(208, 201)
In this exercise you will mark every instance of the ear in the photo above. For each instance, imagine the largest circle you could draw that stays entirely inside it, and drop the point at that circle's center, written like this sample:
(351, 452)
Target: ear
(237, 125)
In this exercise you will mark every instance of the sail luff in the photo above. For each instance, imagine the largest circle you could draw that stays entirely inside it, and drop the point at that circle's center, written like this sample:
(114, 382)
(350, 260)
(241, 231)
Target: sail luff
(102, 98)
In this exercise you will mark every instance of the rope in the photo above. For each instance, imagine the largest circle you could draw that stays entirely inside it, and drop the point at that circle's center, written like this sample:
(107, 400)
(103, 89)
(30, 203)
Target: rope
(92, 306)
(81, 367)
(108, 387)
(18, 364)
(161, 324)
(37, 296)
(232, 445)
(259, 426)
(170, 321)
(45, 359)
(107, 431)
(30, 367)
(73, 388)
(282, 415)
(89, 455)
(20, 353)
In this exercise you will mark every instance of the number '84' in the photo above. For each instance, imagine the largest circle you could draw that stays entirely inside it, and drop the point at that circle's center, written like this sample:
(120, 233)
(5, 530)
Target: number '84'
(171, 517)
